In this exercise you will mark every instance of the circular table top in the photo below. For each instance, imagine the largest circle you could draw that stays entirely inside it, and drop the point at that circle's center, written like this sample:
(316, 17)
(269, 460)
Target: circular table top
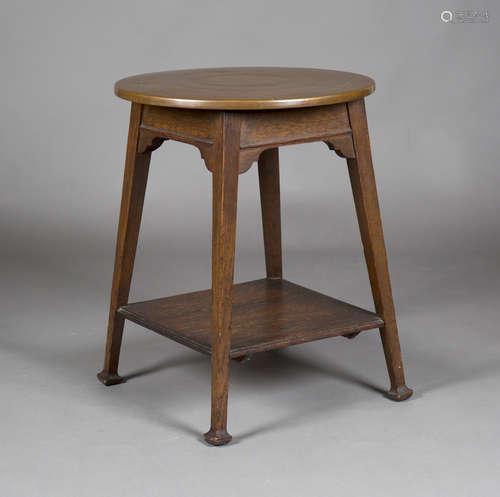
(244, 88)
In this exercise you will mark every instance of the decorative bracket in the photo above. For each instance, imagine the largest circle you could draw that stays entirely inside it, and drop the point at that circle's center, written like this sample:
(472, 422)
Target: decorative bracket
(248, 156)
(352, 335)
(149, 142)
(207, 154)
(342, 145)
(151, 138)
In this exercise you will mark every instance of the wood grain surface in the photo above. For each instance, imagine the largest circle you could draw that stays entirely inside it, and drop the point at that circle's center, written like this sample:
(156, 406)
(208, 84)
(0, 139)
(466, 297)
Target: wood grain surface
(364, 190)
(267, 314)
(244, 88)
(133, 192)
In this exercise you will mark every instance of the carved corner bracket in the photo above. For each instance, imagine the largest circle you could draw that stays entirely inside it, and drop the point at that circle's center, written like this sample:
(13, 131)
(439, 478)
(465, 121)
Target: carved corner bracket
(151, 138)
(342, 145)
(149, 141)
(207, 154)
(248, 156)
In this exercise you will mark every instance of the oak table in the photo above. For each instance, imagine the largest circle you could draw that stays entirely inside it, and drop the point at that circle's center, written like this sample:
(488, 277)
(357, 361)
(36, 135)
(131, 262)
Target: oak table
(236, 116)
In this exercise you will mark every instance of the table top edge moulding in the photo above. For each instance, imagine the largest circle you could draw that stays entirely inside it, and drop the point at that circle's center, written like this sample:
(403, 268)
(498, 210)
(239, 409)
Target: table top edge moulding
(244, 88)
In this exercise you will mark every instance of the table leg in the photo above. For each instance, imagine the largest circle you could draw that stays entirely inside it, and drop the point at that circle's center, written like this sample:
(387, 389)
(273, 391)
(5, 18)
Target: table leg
(269, 182)
(134, 188)
(367, 208)
(225, 188)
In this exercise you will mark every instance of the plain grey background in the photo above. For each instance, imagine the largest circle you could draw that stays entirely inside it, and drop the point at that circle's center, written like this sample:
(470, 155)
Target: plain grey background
(310, 420)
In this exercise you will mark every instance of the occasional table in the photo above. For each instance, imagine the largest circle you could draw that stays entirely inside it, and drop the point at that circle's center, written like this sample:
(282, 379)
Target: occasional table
(235, 117)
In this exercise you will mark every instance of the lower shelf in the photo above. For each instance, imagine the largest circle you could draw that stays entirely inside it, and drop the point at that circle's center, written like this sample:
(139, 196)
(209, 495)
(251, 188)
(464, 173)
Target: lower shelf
(267, 314)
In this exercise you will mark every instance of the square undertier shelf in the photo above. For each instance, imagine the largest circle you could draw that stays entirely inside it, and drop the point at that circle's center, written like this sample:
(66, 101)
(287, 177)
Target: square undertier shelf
(267, 314)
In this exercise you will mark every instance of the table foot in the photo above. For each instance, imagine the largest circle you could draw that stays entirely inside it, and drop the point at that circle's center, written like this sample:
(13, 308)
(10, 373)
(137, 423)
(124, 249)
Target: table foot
(221, 437)
(109, 379)
(400, 393)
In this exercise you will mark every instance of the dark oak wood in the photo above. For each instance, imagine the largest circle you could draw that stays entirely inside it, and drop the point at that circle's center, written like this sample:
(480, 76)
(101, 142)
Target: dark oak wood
(282, 127)
(269, 183)
(236, 117)
(367, 208)
(259, 130)
(200, 124)
(244, 88)
(267, 314)
(134, 188)
(225, 193)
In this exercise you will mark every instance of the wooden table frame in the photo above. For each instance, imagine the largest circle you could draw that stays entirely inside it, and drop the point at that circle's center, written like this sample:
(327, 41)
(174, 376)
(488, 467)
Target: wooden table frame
(229, 142)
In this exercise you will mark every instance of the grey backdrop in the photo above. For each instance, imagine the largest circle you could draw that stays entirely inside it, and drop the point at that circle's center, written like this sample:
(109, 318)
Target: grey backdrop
(311, 419)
